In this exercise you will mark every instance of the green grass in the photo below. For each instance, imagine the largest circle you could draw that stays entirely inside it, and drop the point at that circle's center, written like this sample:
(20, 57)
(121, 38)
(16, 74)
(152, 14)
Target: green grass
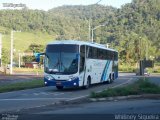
(140, 87)
(22, 86)
(156, 69)
(23, 39)
(16, 70)
(127, 68)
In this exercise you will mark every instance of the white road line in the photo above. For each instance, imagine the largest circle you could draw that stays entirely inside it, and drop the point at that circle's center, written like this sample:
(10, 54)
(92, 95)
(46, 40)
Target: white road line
(27, 99)
(75, 98)
(19, 91)
(67, 99)
(58, 94)
(100, 90)
(43, 93)
(122, 83)
(35, 94)
(118, 85)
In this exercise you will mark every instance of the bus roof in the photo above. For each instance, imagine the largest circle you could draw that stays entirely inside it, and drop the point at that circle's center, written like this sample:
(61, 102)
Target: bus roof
(76, 42)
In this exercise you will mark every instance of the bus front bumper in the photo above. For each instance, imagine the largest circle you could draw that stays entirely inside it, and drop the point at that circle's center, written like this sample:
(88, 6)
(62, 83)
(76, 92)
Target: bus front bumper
(65, 83)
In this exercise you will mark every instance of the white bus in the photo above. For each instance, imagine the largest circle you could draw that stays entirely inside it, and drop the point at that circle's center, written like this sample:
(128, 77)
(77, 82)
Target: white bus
(71, 63)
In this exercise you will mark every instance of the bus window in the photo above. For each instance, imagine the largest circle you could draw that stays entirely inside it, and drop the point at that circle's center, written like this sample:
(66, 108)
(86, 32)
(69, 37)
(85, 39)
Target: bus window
(95, 53)
(90, 54)
(100, 54)
(82, 58)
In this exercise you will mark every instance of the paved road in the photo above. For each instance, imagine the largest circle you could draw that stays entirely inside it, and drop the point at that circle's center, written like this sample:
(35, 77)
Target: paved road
(147, 106)
(155, 79)
(9, 79)
(135, 109)
(15, 101)
(32, 98)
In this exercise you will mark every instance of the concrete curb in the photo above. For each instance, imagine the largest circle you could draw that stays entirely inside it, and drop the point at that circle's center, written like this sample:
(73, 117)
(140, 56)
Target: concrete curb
(83, 99)
(143, 96)
(86, 99)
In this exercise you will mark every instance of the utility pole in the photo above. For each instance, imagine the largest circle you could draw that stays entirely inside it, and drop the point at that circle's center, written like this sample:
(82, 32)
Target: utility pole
(0, 49)
(107, 45)
(90, 20)
(11, 60)
(147, 48)
(89, 30)
(19, 60)
(94, 29)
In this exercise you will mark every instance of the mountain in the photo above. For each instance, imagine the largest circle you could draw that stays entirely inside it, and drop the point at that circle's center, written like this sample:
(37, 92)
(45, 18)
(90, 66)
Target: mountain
(61, 21)
(133, 30)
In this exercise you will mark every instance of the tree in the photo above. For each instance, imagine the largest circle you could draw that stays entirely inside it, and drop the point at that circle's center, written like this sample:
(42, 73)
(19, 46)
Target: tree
(5, 58)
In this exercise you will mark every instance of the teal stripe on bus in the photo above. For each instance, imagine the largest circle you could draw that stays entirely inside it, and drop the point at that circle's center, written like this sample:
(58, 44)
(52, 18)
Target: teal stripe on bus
(103, 77)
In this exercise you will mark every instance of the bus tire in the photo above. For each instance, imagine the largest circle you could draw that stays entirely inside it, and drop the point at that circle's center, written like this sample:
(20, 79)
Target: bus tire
(113, 77)
(59, 87)
(88, 83)
(109, 80)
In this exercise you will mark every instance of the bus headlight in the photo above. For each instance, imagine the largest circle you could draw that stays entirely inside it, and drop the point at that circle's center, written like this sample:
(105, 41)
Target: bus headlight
(49, 77)
(72, 79)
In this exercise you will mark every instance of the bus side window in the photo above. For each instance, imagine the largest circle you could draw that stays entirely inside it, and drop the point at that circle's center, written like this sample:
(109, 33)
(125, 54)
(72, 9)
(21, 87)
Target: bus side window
(82, 58)
(90, 52)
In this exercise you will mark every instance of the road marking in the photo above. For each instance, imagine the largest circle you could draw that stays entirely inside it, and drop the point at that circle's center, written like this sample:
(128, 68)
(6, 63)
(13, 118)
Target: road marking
(122, 83)
(20, 91)
(56, 99)
(100, 90)
(56, 94)
(44, 93)
(75, 98)
(117, 85)
(35, 94)
(27, 99)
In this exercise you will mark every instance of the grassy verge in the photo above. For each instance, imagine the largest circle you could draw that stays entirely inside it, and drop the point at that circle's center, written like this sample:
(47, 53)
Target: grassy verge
(126, 68)
(139, 87)
(21, 86)
(28, 70)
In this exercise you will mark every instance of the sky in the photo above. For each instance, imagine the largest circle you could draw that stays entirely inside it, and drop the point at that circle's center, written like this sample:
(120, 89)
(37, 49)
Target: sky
(49, 4)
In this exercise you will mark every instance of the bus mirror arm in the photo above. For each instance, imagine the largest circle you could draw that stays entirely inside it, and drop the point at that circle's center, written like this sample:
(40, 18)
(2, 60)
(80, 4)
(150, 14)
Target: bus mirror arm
(38, 55)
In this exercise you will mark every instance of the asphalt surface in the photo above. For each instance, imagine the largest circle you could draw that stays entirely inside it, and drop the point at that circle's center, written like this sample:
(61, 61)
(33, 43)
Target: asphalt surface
(9, 79)
(154, 79)
(32, 98)
(42, 103)
(147, 106)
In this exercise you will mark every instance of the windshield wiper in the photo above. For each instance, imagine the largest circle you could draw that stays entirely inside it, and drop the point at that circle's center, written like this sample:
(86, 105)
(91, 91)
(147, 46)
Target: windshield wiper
(58, 63)
(63, 65)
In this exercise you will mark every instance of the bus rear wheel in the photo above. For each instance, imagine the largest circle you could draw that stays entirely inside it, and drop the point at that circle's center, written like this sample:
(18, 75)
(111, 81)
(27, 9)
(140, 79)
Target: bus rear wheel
(59, 87)
(109, 80)
(112, 78)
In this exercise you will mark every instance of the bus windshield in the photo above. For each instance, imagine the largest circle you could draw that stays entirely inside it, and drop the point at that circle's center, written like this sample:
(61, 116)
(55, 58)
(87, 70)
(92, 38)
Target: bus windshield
(61, 59)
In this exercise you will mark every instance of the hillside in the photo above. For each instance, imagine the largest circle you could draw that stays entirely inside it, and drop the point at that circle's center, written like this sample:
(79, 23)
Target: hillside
(133, 30)
(23, 39)
(61, 21)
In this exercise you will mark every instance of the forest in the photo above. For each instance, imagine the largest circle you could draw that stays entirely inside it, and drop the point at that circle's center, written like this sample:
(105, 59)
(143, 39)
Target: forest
(133, 29)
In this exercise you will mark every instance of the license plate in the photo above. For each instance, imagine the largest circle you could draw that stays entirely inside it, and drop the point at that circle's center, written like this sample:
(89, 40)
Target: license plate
(58, 83)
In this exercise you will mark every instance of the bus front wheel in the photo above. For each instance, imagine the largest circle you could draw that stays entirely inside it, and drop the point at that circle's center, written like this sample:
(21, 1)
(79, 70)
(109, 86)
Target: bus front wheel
(88, 83)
